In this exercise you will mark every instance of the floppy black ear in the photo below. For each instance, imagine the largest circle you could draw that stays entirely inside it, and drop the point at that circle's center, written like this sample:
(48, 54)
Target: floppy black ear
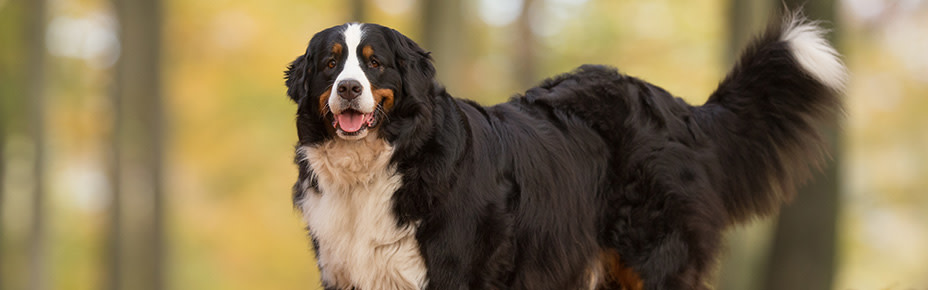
(296, 79)
(415, 107)
(415, 65)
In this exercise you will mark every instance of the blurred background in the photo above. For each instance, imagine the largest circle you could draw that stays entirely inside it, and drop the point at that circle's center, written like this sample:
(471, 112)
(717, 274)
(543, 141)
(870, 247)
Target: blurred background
(148, 144)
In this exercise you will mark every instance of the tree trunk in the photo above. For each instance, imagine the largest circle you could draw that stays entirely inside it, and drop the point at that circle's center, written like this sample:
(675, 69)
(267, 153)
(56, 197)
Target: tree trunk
(444, 32)
(6, 93)
(803, 253)
(357, 11)
(746, 19)
(35, 83)
(136, 260)
(3, 233)
(742, 263)
(113, 256)
(14, 109)
(525, 55)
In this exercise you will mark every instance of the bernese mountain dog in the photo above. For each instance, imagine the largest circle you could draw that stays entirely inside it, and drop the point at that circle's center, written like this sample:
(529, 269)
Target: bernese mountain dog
(591, 180)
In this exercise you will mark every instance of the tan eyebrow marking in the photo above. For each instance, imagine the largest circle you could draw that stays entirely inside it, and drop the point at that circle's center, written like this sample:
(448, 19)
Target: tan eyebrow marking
(367, 51)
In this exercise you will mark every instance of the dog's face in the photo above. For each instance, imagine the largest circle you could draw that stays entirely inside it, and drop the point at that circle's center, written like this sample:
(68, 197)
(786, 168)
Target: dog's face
(352, 78)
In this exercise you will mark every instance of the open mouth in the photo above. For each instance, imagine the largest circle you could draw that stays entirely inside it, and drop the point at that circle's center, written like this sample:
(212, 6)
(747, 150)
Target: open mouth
(352, 122)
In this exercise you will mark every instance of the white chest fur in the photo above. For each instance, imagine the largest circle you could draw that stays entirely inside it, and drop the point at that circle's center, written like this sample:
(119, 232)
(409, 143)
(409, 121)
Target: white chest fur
(352, 218)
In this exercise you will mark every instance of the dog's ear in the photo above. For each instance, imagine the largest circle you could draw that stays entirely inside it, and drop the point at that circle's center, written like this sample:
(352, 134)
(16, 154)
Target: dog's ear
(415, 107)
(296, 78)
(415, 65)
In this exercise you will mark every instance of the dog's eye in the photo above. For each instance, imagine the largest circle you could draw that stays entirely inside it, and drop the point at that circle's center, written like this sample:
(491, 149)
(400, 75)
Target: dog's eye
(331, 64)
(374, 63)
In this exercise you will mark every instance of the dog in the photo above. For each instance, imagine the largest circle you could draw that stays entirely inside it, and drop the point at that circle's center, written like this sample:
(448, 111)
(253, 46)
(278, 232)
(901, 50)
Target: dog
(591, 180)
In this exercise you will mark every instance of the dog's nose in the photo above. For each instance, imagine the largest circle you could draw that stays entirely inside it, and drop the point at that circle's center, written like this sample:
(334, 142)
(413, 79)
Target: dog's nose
(349, 89)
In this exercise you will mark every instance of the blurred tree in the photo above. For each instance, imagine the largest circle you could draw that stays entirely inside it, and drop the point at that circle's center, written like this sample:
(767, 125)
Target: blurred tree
(113, 241)
(804, 245)
(526, 69)
(742, 263)
(9, 93)
(746, 18)
(136, 258)
(802, 250)
(6, 93)
(357, 11)
(35, 93)
(443, 33)
(12, 112)
(3, 122)
(113, 245)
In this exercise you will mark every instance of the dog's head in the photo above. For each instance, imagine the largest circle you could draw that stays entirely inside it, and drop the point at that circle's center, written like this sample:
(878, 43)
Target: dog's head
(357, 78)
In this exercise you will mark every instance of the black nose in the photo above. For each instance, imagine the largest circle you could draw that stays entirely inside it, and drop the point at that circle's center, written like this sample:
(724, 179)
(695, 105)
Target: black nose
(349, 89)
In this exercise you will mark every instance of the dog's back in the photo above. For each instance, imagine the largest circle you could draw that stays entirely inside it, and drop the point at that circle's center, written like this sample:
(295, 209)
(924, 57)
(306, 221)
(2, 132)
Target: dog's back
(677, 175)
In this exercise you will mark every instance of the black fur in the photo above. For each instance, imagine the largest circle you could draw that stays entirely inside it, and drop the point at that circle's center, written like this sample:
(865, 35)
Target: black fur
(587, 167)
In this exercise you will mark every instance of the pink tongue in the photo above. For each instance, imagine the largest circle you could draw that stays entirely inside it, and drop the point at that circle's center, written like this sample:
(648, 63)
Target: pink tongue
(350, 121)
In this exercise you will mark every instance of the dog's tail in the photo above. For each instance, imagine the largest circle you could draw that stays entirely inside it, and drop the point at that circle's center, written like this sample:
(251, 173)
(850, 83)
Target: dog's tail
(766, 116)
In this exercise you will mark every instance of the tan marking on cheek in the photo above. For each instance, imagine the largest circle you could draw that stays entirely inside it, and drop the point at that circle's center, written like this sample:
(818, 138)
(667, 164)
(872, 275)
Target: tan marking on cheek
(324, 101)
(367, 51)
(386, 96)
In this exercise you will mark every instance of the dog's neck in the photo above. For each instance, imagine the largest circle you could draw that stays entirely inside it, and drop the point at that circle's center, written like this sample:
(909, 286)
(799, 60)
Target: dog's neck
(344, 164)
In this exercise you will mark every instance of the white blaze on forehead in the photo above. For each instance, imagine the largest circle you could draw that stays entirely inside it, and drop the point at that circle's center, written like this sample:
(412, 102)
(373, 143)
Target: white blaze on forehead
(353, 70)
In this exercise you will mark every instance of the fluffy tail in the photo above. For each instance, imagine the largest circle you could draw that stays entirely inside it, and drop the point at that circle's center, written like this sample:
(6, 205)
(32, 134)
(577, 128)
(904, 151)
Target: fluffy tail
(766, 116)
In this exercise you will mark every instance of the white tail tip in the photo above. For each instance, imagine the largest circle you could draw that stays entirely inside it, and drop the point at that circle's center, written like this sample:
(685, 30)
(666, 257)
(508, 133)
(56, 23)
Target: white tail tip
(818, 58)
